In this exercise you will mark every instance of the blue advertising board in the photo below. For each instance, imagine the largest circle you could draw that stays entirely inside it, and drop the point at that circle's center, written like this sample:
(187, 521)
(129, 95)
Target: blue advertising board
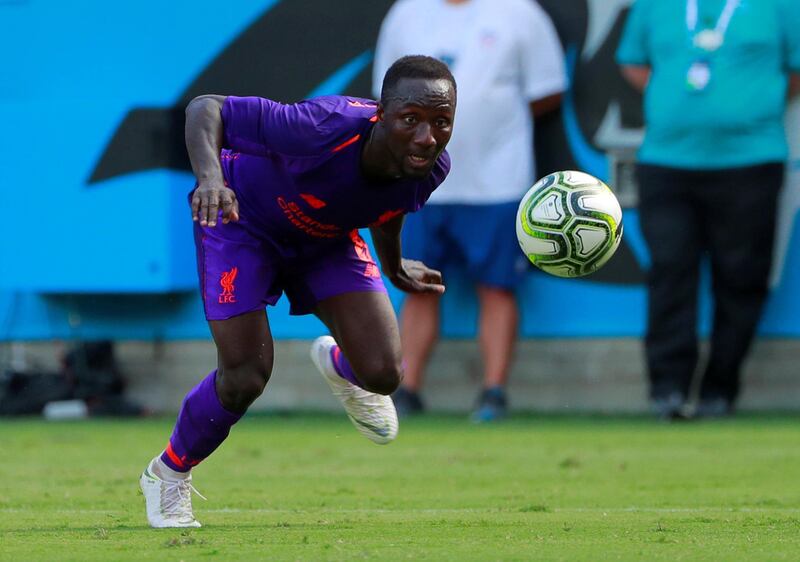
(97, 239)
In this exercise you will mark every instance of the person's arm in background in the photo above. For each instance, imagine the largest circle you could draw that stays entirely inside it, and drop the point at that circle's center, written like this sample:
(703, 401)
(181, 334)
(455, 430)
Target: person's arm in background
(789, 20)
(794, 85)
(633, 50)
(637, 75)
(545, 105)
(204, 134)
(544, 77)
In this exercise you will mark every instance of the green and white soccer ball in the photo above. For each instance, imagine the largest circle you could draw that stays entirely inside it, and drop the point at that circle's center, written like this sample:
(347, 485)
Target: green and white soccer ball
(569, 224)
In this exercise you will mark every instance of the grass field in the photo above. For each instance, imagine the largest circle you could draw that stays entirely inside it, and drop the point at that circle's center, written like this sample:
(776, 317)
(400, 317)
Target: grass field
(311, 488)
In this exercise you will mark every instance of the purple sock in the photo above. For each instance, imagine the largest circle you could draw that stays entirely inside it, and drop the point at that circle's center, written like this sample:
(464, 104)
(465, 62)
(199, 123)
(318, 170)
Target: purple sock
(342, 366)
(203, 424)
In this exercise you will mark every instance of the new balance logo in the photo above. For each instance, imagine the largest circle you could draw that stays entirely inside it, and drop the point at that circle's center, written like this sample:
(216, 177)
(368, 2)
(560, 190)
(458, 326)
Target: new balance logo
(356, 103)
(382, 431)
(315, 202)
(226, 281)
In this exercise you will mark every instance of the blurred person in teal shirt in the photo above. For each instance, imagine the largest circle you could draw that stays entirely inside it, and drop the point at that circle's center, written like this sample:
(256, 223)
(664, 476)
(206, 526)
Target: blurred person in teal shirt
(716, 77)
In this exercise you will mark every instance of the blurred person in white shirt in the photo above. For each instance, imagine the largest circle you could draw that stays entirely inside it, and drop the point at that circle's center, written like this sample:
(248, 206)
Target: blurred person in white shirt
(509, 65)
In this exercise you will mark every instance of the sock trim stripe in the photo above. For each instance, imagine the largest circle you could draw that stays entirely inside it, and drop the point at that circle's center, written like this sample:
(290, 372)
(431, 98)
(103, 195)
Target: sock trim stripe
(173, 457)
(335, 353)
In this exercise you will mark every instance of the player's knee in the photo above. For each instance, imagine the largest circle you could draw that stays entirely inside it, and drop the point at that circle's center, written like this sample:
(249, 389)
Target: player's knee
(240, 386)
(382, 377)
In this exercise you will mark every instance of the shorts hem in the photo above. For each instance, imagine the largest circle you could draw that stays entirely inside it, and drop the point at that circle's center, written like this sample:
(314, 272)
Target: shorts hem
(228, 316)
(308, 308)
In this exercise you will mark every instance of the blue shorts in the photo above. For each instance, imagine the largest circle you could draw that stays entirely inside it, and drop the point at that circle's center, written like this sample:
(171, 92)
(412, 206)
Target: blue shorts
(479, 239)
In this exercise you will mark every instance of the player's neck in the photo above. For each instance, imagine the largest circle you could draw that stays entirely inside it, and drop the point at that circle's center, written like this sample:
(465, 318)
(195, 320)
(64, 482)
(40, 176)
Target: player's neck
(376, 159)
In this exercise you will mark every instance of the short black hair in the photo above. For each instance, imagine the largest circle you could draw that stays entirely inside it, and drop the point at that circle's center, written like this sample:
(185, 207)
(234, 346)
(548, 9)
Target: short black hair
(414, 66)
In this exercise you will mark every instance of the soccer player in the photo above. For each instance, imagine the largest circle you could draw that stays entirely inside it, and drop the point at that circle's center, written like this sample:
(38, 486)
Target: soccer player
(281, 191)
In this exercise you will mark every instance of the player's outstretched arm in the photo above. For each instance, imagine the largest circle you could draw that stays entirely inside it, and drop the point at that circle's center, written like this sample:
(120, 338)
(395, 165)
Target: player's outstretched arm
(204, 133)
(410, 276)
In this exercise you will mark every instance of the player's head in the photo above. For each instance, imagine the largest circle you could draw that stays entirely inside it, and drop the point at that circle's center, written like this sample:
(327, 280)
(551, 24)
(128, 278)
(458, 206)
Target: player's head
(415, 114)
(414, 66)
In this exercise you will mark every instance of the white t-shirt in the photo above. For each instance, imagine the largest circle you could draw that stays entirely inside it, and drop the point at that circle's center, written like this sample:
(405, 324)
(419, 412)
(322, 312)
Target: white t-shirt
(503, 54)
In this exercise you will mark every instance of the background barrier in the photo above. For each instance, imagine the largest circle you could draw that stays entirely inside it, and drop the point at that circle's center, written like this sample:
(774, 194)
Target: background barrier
(96, 233)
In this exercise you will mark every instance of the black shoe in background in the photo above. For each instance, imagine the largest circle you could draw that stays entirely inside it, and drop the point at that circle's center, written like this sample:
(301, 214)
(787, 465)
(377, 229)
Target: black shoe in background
(671, 407)
(492, 405)
(710, 408)
(407, 402)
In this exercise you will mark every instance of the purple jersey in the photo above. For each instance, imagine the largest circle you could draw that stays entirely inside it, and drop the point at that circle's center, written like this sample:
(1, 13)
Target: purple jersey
(296, 169)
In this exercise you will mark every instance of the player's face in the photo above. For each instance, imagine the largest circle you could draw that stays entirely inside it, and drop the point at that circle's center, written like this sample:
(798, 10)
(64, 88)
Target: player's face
(418, 121)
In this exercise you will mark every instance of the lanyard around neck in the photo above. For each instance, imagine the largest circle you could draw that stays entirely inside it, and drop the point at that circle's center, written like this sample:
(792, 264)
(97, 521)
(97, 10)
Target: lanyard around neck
(722, 23)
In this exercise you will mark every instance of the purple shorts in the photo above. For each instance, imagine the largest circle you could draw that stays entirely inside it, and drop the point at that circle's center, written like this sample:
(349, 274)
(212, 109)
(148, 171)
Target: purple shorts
(241, 271)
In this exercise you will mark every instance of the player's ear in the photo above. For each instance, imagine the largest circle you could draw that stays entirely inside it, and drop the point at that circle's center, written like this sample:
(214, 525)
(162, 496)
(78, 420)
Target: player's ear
(379, 112)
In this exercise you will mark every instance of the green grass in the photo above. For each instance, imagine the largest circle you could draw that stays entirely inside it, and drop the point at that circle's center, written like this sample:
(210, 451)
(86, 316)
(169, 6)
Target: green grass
(311, 488)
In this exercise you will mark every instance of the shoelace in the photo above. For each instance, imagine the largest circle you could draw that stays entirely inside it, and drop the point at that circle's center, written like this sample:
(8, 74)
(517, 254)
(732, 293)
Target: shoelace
(177, 498)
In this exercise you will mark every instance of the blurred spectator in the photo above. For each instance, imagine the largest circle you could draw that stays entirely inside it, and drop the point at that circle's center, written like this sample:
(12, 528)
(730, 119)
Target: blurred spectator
(509, 65)
(714, 75)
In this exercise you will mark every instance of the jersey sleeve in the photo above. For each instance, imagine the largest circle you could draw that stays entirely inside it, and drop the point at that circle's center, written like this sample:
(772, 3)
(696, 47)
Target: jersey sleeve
(259, 126)
(542, 58)
(434, 180)
(633, 49)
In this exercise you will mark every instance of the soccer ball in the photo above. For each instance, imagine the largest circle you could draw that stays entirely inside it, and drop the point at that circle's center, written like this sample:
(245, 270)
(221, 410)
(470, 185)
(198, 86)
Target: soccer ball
(569, 224)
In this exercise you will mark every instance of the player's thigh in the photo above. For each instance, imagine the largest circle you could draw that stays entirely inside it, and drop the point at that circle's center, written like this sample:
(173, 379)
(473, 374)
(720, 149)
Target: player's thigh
(244, 341)
(237, 275)
(670, 217)
(237, 271)
(344, 265)
(341, 283)
(365, 327)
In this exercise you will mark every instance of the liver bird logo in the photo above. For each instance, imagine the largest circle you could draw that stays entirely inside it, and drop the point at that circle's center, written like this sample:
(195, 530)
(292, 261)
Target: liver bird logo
(226, 281)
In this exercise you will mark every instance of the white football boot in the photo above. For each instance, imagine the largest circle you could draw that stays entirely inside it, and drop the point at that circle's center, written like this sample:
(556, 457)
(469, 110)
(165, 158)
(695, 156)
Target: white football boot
(373, 414)
(168, 503)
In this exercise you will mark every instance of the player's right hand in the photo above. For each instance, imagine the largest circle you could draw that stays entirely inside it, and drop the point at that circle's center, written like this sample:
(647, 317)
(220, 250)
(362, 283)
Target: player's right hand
(208, 198)
(416, 277)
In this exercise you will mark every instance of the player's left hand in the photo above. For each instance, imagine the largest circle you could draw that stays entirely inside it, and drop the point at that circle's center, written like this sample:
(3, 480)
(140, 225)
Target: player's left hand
(415, 277)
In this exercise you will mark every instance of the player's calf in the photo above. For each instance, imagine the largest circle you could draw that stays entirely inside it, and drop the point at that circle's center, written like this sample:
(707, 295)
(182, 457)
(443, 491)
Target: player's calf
(377, 372)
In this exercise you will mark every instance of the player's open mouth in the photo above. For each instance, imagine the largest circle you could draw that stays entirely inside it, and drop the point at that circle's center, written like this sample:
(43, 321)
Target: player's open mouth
(418, 161)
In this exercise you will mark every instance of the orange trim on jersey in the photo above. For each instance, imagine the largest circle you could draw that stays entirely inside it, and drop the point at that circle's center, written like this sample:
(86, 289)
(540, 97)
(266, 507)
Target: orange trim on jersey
(387, 216)
(312, 200)
(346, 143)
(373, 119)
(356, 103)
(173, 457)
(362, 252)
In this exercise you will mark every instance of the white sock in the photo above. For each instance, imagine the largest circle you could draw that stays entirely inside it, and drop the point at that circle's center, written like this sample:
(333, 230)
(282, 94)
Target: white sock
(160, 469)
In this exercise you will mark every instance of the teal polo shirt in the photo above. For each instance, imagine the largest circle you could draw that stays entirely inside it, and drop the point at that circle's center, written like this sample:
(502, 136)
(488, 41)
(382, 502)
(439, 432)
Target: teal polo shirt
(737, 120)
